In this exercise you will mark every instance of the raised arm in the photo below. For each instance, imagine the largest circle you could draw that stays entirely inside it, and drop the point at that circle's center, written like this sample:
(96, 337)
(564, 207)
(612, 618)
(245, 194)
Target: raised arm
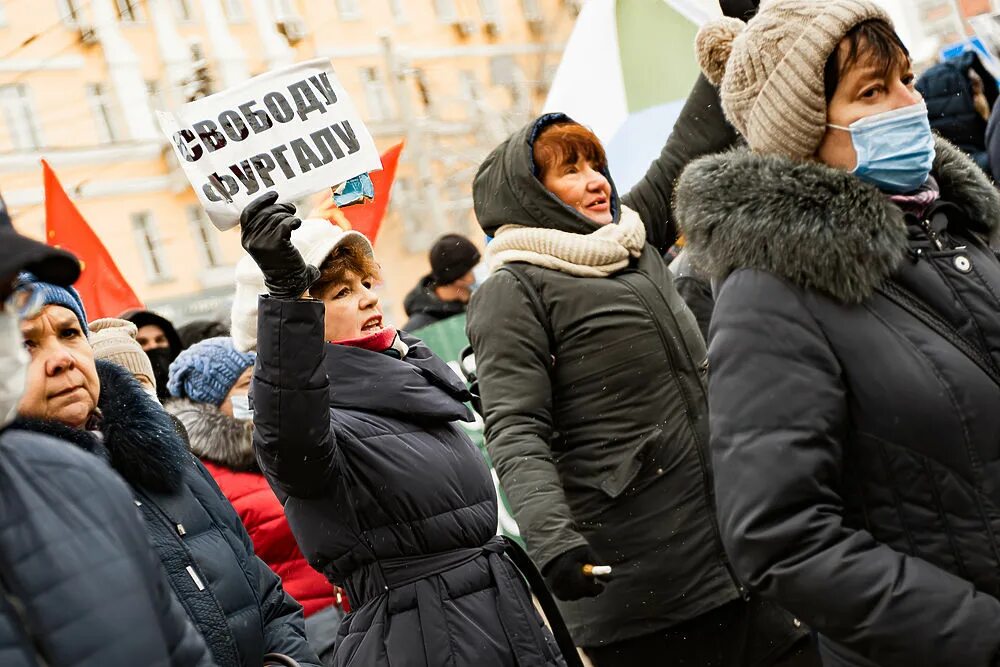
(701, 129)
(292, 435)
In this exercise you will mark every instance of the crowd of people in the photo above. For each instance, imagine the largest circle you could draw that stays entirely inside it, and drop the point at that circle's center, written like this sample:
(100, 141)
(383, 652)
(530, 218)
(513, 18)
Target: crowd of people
(744, 414)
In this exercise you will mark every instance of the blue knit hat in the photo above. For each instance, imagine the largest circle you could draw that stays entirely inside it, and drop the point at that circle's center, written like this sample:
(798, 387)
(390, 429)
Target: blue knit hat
(207, 371)
(54, 295)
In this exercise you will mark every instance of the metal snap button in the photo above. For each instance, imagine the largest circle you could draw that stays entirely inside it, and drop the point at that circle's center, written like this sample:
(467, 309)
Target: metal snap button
(962, 263)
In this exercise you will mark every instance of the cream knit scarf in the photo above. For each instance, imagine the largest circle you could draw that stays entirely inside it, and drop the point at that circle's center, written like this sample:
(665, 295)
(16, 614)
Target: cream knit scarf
(596, 255)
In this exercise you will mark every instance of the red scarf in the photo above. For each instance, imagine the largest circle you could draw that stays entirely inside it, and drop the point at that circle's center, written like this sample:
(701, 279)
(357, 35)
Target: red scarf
(376, 342)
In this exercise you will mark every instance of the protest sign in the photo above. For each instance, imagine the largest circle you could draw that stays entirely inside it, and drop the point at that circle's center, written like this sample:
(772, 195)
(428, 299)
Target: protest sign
(294, 131)
(446, 339)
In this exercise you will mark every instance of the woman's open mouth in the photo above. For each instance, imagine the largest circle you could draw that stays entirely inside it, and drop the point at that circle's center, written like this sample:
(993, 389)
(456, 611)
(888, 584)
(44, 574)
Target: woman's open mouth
(372, 325)
(600, 205)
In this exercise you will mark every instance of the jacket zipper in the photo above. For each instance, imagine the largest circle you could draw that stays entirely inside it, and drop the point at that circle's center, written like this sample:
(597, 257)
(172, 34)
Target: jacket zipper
(705, 466)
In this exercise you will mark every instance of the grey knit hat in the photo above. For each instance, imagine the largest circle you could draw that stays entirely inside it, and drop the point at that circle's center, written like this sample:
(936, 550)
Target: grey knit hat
(770, 70)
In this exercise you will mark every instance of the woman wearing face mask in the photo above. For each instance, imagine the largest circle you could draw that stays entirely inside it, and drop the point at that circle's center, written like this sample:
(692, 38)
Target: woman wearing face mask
(209, 383)
(855, 341)
(234, 600)
(592, 375)
(354, 427)
(160, 342)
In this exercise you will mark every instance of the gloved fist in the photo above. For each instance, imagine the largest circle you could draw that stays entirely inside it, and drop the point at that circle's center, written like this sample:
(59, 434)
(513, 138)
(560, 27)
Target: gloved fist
(266, 233)
(565, 576)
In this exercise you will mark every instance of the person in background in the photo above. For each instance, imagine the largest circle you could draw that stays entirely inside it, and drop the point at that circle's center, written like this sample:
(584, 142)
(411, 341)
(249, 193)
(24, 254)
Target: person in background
(160, 342)
(447, 289)
(209, 383)
(79, 584)
(199, 330)
(231, 596)
(959, 93)
(115, 340)
(855, 346)
(354, 427)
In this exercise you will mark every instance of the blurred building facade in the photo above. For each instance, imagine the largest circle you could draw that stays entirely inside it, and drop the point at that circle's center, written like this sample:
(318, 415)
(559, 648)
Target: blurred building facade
(80, 79)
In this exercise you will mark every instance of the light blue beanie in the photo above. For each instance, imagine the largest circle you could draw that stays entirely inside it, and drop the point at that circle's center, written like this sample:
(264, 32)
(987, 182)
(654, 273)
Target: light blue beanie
(207, 371)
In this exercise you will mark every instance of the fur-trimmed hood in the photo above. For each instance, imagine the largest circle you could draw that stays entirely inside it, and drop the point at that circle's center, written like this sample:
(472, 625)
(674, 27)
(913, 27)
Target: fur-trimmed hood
(140, 440)
(215, 436)
(815, 226)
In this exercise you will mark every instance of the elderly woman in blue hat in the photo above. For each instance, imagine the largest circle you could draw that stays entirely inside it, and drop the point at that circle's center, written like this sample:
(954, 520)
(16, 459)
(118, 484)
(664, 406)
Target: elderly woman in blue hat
(231, 596)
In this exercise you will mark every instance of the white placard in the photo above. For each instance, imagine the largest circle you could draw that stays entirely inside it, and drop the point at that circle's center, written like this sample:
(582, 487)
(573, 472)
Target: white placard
(294, 131)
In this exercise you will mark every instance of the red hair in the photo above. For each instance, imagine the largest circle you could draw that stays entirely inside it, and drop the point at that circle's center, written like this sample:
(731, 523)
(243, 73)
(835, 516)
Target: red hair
(564, 143)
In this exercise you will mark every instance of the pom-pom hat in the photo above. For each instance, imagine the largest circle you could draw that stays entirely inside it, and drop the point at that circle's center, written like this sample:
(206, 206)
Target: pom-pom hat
(770, 71)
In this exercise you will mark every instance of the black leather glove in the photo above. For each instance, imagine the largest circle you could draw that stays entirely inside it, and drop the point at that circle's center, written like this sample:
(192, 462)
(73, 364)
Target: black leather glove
(266, 232)
(565, 576)
(743, 10)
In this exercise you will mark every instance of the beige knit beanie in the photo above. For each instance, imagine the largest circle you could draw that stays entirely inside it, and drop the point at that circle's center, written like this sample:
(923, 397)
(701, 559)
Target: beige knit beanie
(114, 340)
(770, 71)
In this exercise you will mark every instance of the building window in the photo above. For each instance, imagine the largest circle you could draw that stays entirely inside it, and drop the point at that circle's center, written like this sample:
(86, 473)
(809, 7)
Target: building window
(532, 10)
(469, 86)
(3, 15)
(157, 101)
(69, 12)
(148, 239)
(376, 94)
(101, 105)
(284, 9)
(424, 88)
(205, 236)
(398, 10)
(490, 9)
(349, 10)
(129, 11)
(234, 10)
(445, 10)
(182, 10)
(20, 117)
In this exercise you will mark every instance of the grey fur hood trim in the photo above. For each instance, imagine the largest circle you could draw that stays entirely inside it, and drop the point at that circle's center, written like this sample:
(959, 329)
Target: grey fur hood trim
(815, 226)
(215, 436)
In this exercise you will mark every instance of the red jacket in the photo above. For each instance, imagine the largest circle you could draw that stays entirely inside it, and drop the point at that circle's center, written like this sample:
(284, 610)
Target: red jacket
(216, 437)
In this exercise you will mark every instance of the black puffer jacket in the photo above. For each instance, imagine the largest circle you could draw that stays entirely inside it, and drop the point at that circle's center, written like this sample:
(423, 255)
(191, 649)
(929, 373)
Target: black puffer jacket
(947, 90)
(424, 307)
(79, 584)
(856, 448)
(608, 445)
(388, 498)
(234, 599)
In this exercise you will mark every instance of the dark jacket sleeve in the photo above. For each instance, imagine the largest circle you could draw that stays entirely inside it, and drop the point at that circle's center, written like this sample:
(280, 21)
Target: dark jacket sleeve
(186, 646)
(779, 411)
(701, 129)
(993, 143)
(295, 443)
(284, 622)
(512, 363)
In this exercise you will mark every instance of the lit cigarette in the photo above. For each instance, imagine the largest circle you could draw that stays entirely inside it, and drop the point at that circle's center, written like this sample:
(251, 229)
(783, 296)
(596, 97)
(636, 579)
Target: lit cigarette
(596, 570)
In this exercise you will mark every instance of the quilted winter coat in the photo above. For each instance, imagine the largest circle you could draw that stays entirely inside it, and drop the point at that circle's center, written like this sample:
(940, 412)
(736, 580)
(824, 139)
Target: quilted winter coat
(388, 498)
(79, 584)
(855, 401)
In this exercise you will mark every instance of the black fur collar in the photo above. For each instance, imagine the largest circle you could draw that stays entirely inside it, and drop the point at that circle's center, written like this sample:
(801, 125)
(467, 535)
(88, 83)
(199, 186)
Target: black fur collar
(817, 227)
(140, 440)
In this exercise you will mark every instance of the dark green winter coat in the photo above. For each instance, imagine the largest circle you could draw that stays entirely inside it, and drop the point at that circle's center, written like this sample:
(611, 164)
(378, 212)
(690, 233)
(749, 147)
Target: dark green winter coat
(607, 445)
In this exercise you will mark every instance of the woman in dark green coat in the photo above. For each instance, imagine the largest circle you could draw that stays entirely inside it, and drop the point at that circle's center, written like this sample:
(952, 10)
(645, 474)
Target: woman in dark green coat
(592, 372)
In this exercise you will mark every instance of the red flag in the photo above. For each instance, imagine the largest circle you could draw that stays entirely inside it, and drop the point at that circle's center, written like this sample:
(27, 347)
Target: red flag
(101, 285)
(367, 218)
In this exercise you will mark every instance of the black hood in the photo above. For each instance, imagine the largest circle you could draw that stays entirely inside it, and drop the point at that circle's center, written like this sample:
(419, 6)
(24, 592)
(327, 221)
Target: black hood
(506, 190)
(140, 440)
(141, 318)
(422, 299)
(420, 388)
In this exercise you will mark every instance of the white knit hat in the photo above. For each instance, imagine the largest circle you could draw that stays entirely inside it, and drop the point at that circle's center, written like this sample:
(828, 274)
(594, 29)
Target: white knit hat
(314, 239)
(114, 340)
(770, 71)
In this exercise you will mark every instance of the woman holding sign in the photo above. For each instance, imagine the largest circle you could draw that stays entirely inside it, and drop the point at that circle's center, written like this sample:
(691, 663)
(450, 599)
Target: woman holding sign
(354, 430)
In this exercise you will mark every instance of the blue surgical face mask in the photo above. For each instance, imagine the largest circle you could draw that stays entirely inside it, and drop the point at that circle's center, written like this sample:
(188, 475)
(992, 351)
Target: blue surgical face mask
(895, 149)
(241, 408)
